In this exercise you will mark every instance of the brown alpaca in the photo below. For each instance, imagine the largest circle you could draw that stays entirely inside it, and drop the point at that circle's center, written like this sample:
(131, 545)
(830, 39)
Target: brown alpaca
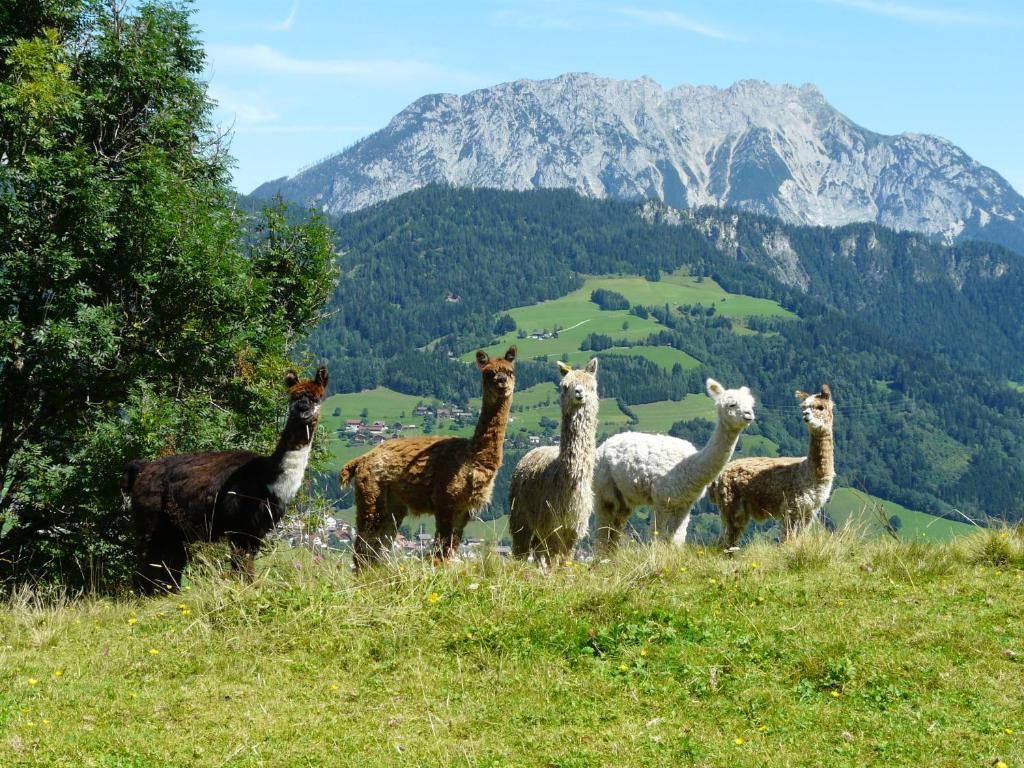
(791, 489)
(235, 495)
(447, 477)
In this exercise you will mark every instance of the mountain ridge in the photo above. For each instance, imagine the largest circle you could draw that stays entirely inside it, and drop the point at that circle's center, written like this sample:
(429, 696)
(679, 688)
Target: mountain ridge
(778, 150)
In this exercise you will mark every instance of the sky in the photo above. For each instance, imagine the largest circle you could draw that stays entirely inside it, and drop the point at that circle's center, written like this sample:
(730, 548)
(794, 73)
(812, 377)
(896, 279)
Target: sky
(299, 80)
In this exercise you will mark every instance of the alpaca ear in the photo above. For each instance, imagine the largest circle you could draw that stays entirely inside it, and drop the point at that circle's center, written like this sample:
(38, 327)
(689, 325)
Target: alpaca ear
(321, 377)
(745, 390)
(826, 392)
(592, 366)
(482, 358)
(510, 354)
(715, 390)
(800, 395)
(291, 378)
(564, 368)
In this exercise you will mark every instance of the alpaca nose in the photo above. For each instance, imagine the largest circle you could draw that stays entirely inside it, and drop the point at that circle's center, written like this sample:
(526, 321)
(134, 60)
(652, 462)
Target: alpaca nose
(579, 393)
(748, 416)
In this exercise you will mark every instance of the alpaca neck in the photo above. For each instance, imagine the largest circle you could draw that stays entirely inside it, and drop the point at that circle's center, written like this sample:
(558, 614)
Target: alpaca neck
(488, 441)
(576, 446)
(296, 436)
(289, 459)
(821, 455)
(705, 465)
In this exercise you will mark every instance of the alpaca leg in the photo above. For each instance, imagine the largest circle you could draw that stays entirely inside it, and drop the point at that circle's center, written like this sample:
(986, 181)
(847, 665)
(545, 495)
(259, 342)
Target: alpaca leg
(522, 535)
(371, 514)
(734, 523)
(789, 528)
(448, 534)
(161, 560)
(244, 549)
(609, 520)
(679, 537)
(669, 522)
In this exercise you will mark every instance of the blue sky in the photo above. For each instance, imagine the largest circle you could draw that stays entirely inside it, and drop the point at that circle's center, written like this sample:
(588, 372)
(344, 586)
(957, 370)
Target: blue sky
(297, 80)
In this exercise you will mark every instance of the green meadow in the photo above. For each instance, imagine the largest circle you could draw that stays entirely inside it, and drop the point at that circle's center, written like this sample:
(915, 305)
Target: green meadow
(830, 650)
(577, 316)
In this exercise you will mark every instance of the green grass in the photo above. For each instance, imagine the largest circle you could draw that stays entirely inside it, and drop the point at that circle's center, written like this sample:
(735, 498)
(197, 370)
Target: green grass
(830, 650)
(578, 316)
(847, 503)
(660, 416)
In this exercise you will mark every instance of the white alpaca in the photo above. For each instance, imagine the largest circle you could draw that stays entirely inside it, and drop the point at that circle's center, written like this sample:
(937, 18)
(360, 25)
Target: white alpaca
(636, 469)
(550, 498)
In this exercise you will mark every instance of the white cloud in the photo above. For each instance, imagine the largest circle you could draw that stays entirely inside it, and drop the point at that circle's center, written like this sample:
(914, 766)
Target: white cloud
(262, 59)
(677, 21)
(285, 25)
(916, 14)
(245, 107)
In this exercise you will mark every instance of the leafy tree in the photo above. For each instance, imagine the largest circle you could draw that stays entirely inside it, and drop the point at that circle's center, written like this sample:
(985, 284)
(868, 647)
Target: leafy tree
(609, 300)
(138, 316)
(504, 324)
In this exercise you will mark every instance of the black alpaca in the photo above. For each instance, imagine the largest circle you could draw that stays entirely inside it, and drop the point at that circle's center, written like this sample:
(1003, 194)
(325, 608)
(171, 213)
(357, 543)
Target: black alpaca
(237, 495)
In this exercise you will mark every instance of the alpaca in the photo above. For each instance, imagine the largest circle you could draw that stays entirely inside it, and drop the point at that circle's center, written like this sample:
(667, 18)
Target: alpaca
(669, 474)
(792, 489)
(237, 495)
(448, 477)
(550, 498)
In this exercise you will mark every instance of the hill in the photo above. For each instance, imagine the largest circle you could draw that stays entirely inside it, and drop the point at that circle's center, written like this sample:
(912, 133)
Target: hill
(771, 149)
(430, 276)
(829, 650)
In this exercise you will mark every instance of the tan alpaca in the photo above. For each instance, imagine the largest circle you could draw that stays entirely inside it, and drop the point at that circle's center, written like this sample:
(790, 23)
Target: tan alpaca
(447, 477)
(790, 489)
(550, 498)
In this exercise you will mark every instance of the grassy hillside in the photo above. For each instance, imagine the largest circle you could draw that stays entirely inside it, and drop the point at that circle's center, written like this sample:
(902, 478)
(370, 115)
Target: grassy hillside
(847, 503)
(578, 316)
(830, 650)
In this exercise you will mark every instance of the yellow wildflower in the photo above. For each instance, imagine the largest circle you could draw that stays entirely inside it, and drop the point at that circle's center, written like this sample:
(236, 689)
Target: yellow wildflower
(1009, 731)
(154, 651)
(33, 681)
(334, 686)
(753, 566)
(58, 673)
(1001, 764)
(643, 652)
(739, 741)
(836, 694)
(763, 729)
(132, 620)
(434, 597)
(623, 668)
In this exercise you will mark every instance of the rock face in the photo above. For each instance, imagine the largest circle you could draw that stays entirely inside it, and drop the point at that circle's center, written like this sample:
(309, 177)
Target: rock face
(776, 150)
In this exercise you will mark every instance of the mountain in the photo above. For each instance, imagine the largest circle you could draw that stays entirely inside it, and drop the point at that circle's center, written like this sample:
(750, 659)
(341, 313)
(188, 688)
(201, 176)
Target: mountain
(777, 150)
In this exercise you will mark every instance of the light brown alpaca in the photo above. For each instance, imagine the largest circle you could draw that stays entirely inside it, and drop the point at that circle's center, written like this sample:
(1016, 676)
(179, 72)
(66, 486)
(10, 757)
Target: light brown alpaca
(447, 477)
(791, 489)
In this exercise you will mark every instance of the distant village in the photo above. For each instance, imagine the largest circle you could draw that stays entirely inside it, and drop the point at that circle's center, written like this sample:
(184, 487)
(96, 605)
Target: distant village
(362, 431)
(336, 536)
